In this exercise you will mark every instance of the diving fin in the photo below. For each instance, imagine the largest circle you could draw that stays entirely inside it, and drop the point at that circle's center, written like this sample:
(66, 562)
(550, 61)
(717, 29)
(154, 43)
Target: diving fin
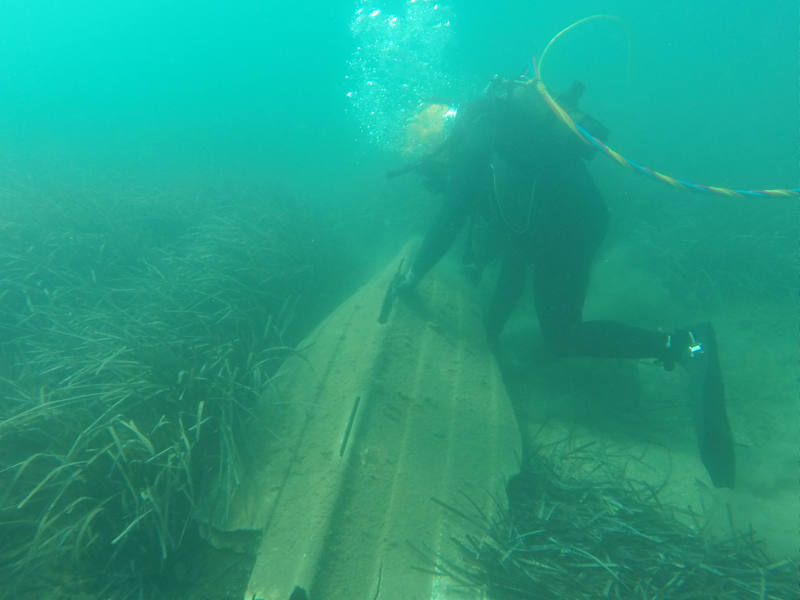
(298, 594)
(714, 437)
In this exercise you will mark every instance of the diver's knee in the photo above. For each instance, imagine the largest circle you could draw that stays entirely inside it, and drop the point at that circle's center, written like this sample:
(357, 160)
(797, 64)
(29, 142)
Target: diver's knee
(559, 342)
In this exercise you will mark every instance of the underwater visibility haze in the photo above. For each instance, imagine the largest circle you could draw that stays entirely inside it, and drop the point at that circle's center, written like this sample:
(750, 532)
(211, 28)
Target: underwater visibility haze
(188, 189)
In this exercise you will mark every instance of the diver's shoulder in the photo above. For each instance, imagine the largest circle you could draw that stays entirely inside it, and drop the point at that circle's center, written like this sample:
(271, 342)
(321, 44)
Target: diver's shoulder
(476, 108)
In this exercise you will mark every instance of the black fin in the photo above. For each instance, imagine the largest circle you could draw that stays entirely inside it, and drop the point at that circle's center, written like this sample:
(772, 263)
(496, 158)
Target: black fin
(714, 437)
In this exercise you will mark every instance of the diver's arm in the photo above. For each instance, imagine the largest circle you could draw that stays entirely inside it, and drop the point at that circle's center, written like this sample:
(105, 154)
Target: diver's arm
(466, 185)
(439, 238)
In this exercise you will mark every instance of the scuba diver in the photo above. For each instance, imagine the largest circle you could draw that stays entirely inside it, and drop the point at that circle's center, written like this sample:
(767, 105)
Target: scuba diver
(510, 160)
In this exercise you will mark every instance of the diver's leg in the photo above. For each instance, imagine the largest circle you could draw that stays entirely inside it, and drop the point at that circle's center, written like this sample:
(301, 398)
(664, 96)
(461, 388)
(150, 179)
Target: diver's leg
(560, 286)
(559, 299)
(571, 224)
(561, 274)
(510, 285)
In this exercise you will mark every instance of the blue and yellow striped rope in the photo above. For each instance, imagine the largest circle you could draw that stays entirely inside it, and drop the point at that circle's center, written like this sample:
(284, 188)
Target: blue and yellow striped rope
(588, 138)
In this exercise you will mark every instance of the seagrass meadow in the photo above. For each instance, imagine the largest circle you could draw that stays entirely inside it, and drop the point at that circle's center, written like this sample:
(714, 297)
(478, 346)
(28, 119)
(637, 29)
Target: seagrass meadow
(133, 343)
(574, 527)
(198, 203)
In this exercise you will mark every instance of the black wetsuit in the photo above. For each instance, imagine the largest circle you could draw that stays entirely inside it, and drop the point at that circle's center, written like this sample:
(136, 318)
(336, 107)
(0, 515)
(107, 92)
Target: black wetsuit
(557, 239)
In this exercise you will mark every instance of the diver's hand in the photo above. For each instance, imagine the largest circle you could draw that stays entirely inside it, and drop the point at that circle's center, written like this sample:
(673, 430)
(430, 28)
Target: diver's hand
(401, 285)
(406, 286)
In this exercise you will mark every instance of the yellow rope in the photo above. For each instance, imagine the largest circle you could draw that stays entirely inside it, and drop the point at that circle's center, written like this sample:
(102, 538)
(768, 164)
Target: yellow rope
(588, 138)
